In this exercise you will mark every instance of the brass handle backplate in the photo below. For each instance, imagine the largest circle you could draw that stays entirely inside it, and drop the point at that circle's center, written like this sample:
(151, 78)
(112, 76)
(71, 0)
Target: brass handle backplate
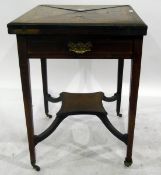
(80, 47)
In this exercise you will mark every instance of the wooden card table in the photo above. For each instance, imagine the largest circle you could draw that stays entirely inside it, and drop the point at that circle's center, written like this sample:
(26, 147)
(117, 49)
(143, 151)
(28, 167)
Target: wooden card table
(79, 32)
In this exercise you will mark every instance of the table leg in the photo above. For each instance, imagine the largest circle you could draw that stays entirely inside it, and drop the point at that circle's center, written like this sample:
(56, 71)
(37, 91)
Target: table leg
(119, 85)
(134, 85)
(27, 96)
(45, 86)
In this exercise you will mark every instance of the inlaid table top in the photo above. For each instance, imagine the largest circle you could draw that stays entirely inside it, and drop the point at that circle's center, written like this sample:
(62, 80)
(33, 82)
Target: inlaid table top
(108, 18)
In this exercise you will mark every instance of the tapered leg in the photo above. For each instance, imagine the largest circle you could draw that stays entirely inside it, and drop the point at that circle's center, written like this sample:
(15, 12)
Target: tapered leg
(27, 97)
(134, 85)
(119, 85)
(45, 86)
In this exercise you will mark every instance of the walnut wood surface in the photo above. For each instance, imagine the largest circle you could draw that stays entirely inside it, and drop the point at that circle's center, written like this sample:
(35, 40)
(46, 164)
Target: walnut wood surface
(48, 19)
(54, 46)
(82, 103)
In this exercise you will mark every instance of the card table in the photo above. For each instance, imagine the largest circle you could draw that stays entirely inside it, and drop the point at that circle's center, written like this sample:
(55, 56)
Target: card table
(80, 32)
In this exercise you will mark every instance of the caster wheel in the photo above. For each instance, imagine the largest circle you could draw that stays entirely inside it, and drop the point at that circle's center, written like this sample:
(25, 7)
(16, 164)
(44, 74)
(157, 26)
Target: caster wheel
(36, 167)
(49, 116)
(120, 115)
(127, 163)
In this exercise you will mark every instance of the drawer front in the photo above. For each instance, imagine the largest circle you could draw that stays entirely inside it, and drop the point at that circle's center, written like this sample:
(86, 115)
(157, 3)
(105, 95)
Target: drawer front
(84, 47)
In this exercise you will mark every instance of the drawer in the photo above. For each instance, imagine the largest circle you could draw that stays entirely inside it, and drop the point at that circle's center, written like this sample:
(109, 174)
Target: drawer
(84, 47)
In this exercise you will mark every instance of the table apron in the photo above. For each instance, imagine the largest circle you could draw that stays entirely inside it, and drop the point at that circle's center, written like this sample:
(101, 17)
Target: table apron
(82, 47)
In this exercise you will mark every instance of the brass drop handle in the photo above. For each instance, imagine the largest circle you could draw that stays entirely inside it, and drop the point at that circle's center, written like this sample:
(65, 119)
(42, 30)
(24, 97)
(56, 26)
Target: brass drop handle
(79, 47)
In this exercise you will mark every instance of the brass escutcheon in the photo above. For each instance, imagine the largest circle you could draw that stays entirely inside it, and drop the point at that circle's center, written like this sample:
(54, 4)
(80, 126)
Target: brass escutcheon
(80, 47)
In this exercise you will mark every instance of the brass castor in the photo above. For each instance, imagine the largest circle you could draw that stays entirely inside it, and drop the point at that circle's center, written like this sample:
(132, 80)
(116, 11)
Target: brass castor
(49, 116)
(36, 167)
(120, 115)
(128, 163)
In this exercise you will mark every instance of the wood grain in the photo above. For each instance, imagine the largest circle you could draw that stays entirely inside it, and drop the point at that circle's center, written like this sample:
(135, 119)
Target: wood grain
(49, 19)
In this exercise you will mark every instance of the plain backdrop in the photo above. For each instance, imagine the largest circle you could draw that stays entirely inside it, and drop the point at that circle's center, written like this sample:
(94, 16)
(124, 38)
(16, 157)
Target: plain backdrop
(85, 147)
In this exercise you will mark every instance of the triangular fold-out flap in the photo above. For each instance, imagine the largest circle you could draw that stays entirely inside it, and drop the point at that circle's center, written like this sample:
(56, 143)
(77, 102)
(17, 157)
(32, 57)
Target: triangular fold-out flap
(83, 8)
(55, 18)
